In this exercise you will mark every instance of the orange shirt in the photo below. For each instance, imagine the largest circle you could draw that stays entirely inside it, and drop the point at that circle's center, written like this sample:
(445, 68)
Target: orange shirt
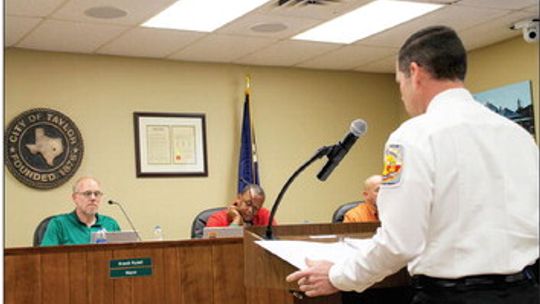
(364, 212)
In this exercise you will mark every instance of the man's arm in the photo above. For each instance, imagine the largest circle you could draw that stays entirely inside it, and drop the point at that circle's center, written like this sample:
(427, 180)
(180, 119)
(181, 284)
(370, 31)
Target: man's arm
(116, 227)
(217, 219)
(404, 205)
(52, 235)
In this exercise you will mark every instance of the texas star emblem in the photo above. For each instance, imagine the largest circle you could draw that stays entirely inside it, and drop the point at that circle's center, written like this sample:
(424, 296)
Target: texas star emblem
(43, 148)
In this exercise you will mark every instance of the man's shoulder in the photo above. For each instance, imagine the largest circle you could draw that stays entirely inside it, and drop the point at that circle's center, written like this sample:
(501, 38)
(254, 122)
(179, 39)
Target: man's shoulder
(64, 217)
(219, 213)
(217, 219)
(263, 212)
(356, 208)
(412, 128)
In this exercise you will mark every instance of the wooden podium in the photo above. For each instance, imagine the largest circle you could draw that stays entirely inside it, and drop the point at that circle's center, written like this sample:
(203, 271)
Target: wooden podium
(265, 273)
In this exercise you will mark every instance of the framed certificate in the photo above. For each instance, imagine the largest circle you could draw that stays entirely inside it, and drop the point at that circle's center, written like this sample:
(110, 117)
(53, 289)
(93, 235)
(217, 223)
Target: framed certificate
(170, 144)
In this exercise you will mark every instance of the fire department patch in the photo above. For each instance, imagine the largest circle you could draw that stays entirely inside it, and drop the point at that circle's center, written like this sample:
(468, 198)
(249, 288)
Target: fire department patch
(44, 148)
(393, 164)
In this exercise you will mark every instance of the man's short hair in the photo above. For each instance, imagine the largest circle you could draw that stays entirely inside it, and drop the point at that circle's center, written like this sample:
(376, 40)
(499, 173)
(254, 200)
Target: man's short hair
(254, 189)
(437, 49)
(75, 186)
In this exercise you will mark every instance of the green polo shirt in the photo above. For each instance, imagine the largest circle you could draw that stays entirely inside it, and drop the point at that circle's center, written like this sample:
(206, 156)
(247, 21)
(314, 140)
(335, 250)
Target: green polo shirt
(67, 229)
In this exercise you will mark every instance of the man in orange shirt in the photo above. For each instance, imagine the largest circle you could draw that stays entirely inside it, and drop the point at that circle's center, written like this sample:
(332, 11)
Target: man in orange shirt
(367, 211)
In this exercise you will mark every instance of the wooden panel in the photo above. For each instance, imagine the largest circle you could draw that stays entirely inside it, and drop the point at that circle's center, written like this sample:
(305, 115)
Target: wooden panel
(268, 296)
(172, 278)
(22, 283)
(55, 278)
(228, 261)
(196, 274)
(100, 286)
(259, 296)
(271, 270)
(78, 290)
(123, 287)
(150, 289)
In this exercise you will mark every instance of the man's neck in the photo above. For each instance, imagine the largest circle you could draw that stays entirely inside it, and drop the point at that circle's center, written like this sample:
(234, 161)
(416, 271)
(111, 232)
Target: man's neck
(435, 87)
(89, 220)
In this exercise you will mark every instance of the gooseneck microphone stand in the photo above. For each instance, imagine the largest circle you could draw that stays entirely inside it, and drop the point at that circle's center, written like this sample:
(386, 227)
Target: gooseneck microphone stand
(320, 153)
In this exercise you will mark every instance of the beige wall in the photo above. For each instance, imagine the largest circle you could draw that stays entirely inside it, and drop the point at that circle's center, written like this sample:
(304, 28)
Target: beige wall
(295, 112)
(500, 64)
(505, 63)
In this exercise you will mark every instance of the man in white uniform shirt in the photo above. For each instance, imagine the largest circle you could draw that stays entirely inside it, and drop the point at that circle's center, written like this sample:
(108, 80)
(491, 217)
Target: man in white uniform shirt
(459, 200)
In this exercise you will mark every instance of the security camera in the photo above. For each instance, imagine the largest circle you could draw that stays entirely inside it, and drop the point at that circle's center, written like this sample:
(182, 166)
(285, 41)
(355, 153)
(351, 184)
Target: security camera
(530, 29)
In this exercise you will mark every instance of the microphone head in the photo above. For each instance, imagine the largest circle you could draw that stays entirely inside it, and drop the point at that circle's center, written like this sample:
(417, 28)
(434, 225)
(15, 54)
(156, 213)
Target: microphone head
(111, 202)
(358, 127)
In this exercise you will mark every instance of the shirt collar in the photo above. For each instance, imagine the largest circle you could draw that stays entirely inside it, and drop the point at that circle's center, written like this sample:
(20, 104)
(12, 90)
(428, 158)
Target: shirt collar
(75, 218)
(450, 95)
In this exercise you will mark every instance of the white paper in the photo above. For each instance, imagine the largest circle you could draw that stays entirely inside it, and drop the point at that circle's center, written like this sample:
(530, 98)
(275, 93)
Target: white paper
(296, 252)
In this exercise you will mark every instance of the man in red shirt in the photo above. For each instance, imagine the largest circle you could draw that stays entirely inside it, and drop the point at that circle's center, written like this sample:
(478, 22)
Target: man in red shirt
(246, 209)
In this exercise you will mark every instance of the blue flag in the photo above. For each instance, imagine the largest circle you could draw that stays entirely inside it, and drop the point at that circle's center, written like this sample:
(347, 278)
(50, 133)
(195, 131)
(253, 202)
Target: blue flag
(248, 171)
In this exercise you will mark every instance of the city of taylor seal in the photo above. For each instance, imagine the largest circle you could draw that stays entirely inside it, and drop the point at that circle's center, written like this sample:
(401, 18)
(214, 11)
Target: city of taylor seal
(44, 148)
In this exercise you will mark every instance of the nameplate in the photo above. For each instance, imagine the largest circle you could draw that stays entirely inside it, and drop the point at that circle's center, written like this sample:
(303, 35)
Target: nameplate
(126, 268)
(130, 263)
(132, 272)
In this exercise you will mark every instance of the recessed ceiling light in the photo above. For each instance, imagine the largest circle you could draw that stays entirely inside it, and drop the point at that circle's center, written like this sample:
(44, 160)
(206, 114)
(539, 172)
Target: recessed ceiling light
(367, 20)
(202, 15)
(105, 12)
(269, 27)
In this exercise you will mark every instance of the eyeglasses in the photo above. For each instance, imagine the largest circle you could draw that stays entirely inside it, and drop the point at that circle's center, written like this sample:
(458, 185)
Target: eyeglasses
(88, 194)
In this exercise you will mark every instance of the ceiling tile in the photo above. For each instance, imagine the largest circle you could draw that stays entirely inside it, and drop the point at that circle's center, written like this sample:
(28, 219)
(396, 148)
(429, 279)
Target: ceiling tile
(287, 53)
(502, 4)
(62, 36)
(385, 65)
(137, 11)
(347, 57)
(149, 42)
(17, 27)
(322, 12)
(457, 17)
(60, 25)
(31, 8)
(243, 25)
(492, 31)
(221, 48)
(534, 10)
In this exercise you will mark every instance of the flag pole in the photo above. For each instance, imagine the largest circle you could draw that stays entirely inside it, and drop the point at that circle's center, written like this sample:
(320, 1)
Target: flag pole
(254, 159)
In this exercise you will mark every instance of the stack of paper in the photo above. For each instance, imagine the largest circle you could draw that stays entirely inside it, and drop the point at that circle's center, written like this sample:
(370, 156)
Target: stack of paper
(296, 252)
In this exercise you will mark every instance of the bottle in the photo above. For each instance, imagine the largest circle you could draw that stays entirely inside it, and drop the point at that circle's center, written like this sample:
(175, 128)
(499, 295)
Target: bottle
(101, 236)
(158, 233)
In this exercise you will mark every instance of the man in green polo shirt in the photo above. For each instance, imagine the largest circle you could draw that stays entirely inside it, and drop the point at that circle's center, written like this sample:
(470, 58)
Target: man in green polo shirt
(76, 227)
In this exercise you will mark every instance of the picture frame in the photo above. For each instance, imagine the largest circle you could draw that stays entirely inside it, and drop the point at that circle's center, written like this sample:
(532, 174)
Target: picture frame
(513, 101)
(170, 144)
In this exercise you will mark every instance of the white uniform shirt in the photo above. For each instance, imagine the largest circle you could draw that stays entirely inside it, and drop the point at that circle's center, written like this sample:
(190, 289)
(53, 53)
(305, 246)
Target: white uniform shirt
(464, 202)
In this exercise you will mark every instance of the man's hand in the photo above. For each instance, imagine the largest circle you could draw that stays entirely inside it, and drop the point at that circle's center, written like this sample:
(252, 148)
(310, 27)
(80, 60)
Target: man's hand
(314, 280)
(234, 215)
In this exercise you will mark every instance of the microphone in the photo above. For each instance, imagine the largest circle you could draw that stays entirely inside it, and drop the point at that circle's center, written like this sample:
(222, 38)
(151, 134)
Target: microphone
(334, 153)
(357, 129)
(111, 202)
